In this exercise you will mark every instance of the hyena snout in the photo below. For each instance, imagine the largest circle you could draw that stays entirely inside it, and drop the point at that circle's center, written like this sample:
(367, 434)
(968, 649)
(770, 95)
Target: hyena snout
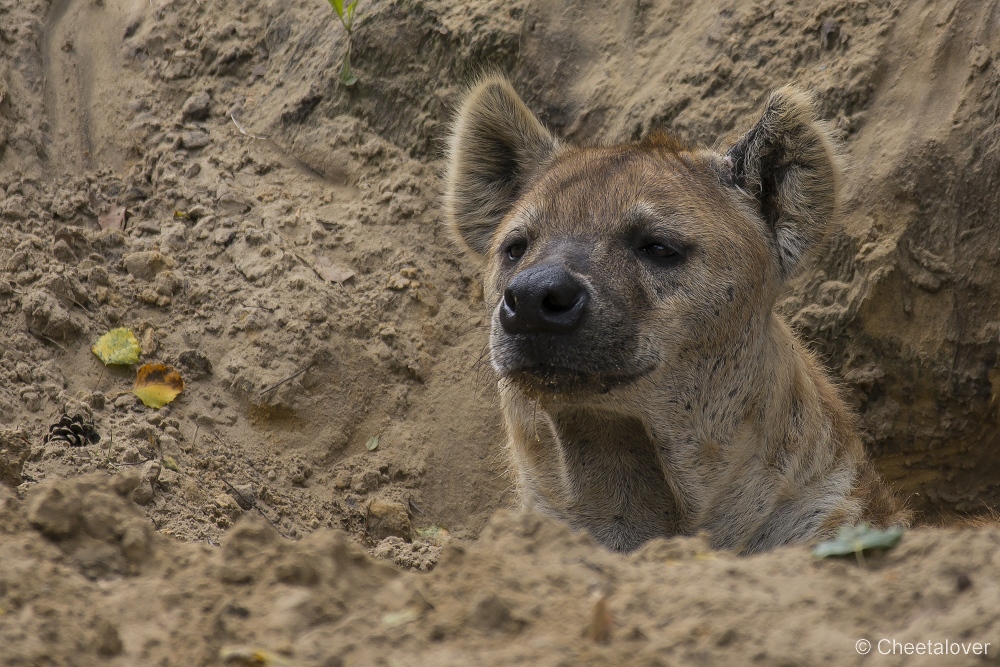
(544, 299)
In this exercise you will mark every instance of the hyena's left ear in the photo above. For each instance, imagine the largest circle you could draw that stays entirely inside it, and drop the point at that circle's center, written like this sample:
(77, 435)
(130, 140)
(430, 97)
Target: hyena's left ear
(789, 163)
(496, 145)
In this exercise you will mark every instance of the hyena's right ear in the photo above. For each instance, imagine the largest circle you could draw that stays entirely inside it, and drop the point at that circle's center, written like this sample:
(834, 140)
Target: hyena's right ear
(496, 145)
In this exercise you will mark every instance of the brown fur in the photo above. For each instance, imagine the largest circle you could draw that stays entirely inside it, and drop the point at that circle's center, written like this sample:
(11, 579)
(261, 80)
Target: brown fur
(679, 401)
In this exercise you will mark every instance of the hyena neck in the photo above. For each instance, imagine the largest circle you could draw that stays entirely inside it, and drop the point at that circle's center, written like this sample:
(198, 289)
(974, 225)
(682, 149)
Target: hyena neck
(613, 483)
(765, 419)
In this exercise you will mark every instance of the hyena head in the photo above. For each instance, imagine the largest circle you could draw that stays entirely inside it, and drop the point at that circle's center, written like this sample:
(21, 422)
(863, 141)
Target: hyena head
(608, 265)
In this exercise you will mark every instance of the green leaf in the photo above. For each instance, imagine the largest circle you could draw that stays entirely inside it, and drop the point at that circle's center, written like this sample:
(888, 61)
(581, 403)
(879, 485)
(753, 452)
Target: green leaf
(346, 75)
(372, 443)
(349, 21)
(338, 6)
(857, 539)
(118, 347)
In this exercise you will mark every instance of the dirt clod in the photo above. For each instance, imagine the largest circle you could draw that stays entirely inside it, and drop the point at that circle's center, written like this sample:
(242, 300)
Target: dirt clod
(197, 107)
(54, 509)
(387, 518)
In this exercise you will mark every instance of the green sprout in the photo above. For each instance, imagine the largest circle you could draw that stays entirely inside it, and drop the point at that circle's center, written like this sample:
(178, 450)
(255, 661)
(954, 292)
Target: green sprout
(346, 14)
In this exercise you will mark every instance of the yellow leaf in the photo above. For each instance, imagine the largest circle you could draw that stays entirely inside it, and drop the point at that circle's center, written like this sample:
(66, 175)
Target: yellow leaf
(245, 656)
(157, 384)
(118, 346)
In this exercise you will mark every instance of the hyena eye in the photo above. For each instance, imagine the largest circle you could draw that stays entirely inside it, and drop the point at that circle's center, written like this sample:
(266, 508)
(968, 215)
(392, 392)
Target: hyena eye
(659, 251)
(516, 250)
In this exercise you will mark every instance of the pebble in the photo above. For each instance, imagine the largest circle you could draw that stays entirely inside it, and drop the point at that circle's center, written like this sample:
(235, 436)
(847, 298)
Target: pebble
(195, 361)
(62, 252)
(147, 264)
(388, 518)
(46, 316)
(143, 493)
(194, 140)
(197, 107)
(364, 482)
(223, 236)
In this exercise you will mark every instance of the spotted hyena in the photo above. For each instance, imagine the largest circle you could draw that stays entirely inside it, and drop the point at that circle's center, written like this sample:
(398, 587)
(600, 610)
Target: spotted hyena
(647, 385)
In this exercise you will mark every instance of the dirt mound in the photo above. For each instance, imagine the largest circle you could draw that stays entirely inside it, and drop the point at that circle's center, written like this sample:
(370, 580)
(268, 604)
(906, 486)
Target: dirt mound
(527, 592)
(195, 172)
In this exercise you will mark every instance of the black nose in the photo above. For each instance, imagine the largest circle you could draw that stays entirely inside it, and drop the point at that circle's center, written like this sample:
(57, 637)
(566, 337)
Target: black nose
(543, 299)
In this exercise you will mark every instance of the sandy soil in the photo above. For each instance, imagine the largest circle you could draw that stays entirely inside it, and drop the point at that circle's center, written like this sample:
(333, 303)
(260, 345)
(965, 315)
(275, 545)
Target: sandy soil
(193, 170)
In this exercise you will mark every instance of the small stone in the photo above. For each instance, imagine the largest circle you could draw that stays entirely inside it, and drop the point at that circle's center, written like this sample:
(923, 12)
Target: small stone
(398, 283)
(194, 140)
(150, 296)
(197, 212)
(62, 252)
(364, 482)
(147, 264)
(196, 362)
(168, 283)
(46, 316)
(342, 480)
(299, 472)
(174, 237)
(168, 445)
(32, 401)
(148, 341)
(14, 451)
(388, 518)
(98, 276)
(197, 107)
(226, 505)
(143, 494)
(150, 472)
(244, 495)
(223, 236)
(95, 400)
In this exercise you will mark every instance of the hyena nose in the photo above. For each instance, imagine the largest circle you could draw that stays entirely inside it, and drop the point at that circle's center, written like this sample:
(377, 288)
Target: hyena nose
(543, 299)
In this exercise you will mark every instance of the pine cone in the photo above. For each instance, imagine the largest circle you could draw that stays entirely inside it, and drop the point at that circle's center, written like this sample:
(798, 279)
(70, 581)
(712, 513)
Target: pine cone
(75, 430)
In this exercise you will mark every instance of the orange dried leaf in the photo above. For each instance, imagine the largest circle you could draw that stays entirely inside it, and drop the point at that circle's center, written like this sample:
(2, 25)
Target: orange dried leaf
(157, 384)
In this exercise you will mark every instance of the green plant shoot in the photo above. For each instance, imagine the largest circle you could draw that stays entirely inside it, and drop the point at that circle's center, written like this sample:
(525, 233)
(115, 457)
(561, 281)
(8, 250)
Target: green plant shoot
(346, 14)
